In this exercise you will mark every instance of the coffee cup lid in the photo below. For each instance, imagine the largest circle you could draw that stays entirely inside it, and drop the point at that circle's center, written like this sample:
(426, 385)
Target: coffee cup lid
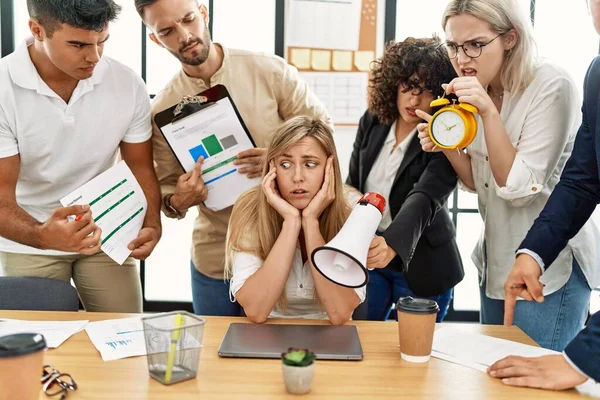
(417, 306)
(21, 344)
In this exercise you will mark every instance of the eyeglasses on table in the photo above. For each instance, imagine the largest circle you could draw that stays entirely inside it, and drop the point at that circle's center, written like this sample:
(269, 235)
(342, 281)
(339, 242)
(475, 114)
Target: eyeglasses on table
(56, 383)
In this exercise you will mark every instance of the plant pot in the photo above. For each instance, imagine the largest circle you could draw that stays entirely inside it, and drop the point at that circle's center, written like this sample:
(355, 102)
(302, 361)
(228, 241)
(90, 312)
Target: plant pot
(298, 380)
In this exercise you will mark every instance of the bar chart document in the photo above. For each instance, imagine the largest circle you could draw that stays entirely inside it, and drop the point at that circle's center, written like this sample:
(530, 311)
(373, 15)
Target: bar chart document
(118, 338)
(118, 207)
(121, 338)
(215, 133)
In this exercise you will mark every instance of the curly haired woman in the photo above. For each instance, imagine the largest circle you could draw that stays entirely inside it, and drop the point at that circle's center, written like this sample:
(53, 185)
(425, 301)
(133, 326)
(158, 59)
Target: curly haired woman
(421, 258)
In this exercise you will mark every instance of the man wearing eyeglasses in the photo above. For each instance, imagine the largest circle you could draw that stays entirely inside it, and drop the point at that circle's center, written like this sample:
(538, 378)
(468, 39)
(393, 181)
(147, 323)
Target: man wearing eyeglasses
(266, 91)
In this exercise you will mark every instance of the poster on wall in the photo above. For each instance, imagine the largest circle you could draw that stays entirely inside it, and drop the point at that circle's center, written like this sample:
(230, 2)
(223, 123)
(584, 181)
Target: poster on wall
(333, 43)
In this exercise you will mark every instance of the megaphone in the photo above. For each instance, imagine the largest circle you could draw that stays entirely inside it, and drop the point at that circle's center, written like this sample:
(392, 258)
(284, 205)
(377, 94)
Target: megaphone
(343, 260)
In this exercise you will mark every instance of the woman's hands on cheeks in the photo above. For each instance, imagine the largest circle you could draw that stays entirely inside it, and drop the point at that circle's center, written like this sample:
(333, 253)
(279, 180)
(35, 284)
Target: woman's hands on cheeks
(285, 209)
(469, 90)
(324, 196)
(423, 131)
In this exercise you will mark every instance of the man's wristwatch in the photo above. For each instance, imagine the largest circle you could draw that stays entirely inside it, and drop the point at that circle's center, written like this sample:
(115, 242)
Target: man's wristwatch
(170, 207)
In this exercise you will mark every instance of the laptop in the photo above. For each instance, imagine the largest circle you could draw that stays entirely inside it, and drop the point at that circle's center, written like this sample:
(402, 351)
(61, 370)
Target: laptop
(269, 341)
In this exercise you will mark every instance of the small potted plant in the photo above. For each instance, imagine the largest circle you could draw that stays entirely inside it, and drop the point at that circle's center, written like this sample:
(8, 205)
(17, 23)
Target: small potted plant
(298, 370)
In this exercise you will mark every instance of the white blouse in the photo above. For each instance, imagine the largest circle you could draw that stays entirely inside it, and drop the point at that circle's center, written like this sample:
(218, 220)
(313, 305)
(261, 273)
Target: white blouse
(299, 289)
(382, 175)
(541, 122)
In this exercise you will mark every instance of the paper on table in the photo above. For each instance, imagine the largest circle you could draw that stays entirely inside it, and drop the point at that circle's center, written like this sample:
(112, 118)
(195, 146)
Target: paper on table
(324, 24)
(118, 207)
(478, 351)
(118, 338)
(589, 388)
(122, 338)
(55, 332)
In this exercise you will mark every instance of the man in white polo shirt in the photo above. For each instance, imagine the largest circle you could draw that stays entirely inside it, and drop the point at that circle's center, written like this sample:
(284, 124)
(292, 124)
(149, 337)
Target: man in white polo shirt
(65, 115)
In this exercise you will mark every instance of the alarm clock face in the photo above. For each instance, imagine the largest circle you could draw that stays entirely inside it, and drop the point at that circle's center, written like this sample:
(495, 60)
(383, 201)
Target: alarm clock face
(448, 128)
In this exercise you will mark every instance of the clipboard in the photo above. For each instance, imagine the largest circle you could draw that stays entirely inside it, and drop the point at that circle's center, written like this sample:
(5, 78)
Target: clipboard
(209, 125)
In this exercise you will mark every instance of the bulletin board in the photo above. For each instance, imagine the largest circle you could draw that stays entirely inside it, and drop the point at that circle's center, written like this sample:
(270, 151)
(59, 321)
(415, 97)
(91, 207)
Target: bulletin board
(332, 43)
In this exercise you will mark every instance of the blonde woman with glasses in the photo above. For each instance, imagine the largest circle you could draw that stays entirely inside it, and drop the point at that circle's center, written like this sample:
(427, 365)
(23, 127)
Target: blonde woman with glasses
(300, 205)
(528, 117)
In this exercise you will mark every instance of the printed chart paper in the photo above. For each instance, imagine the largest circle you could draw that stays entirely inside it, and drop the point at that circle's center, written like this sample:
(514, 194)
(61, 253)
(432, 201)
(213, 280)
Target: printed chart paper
(118, 338)
(216, 134)
(122, 338)
(118, 207)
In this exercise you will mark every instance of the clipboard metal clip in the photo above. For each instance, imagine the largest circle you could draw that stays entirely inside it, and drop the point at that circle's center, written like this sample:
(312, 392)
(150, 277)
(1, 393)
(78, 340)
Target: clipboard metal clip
(189, 100)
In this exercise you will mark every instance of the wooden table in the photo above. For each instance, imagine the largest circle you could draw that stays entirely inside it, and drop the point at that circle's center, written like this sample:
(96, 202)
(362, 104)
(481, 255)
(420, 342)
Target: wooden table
(382, 374)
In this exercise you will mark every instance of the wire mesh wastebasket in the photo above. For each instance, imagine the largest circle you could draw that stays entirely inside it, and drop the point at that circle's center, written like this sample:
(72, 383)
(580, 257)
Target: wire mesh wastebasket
(173, 344)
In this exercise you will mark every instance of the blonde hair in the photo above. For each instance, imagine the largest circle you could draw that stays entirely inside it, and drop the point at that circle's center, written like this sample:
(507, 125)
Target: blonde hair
(255, 225)
(504, 15)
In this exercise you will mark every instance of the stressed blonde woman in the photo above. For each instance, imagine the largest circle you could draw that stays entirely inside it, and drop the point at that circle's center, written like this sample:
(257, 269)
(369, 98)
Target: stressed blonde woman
(299, 206)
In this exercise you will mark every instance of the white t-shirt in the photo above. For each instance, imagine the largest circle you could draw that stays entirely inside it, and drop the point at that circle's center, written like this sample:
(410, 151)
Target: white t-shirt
(382, 175)
(541, 123)
(62, 146)
(299, 289)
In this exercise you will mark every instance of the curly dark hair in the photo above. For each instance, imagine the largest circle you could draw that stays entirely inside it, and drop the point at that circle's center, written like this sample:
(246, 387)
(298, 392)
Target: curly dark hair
(401, 60)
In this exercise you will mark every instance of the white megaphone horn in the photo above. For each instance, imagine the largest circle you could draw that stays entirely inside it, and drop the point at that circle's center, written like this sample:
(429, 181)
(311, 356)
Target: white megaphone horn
(343, 260)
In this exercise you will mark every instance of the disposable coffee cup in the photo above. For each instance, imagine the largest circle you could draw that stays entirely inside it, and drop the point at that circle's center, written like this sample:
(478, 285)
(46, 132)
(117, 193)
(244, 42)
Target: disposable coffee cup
(21, 363)
(416, 324)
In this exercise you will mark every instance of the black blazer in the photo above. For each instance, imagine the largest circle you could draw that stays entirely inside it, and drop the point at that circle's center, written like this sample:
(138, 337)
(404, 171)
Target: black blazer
(422, 232)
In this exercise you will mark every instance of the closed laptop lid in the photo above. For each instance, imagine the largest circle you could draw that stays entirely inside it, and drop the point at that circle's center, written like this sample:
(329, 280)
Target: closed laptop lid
(269, 341)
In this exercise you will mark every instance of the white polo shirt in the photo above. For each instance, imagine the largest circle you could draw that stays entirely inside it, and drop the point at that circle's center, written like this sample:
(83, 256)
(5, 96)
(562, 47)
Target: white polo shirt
(62, 146)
